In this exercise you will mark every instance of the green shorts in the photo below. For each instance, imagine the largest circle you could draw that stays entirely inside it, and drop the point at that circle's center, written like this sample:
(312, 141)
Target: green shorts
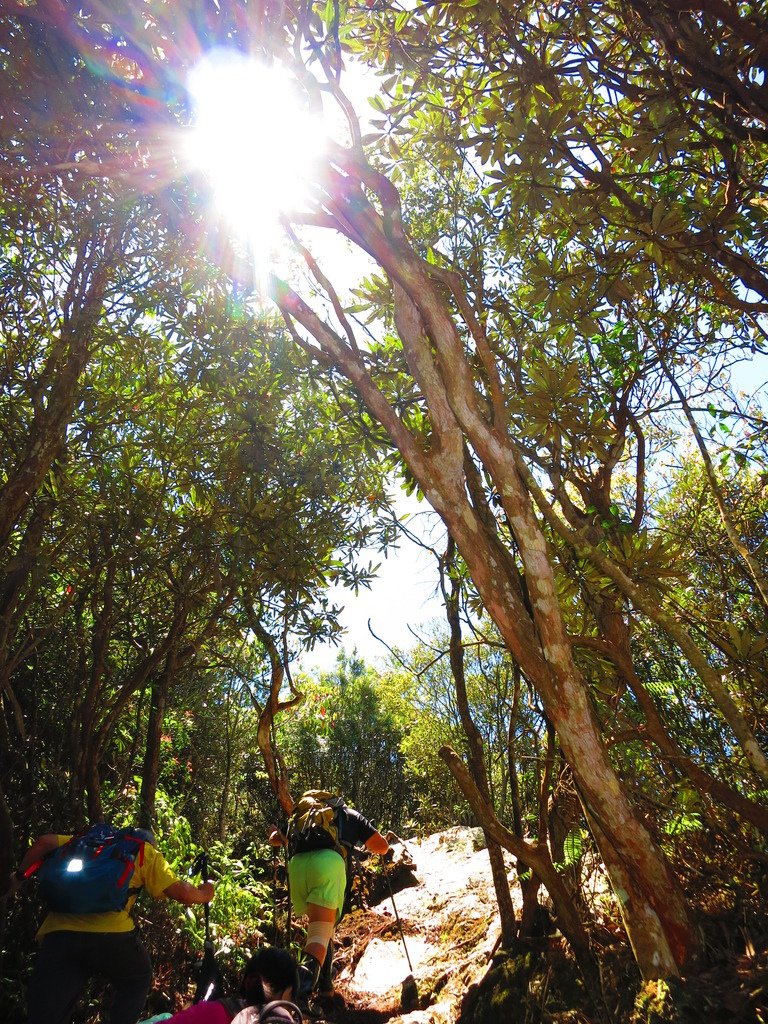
(317, 877)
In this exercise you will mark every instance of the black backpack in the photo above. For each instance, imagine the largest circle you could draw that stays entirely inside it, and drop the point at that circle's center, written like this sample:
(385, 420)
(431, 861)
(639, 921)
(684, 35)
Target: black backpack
(314, 824)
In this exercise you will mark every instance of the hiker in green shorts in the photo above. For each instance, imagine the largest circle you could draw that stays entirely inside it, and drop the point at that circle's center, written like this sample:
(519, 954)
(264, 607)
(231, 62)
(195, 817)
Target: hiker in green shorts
(320, 833)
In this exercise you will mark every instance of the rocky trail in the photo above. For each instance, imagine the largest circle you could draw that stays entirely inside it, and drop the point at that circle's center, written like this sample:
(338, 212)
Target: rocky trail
(446, 903)
(444, 896)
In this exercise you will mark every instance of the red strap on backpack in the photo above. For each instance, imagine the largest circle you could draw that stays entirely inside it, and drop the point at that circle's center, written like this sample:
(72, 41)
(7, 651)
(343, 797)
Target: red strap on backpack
(39, 863)
(126, 873)
(32, 868)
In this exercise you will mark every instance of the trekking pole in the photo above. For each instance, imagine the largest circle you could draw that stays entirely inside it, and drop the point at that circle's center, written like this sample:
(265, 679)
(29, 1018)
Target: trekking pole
(274, 896)
(209, 978)
(397, 918)
(409, 993)
(206, 907)
(356, 886)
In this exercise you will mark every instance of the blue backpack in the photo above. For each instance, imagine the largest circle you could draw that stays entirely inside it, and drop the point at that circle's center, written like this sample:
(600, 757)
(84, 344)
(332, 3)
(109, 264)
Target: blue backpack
(91, 873)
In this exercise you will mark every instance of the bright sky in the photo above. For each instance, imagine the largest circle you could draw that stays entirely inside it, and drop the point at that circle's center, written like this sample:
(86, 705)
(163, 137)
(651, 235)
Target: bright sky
(752, 376)
(403, 595)
(259, 147)
(249, 153)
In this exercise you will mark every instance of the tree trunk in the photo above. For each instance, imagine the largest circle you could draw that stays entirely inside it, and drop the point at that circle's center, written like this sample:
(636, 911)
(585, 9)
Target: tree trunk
(655, 905)
(150, 771)
(649, 604)
(58, 384)
(225, 791)
(530, 883)
(752, 564)
(616, 647)
(92, 785)
(475, 743)
(538, 857)
(466, 414)
(275, 770)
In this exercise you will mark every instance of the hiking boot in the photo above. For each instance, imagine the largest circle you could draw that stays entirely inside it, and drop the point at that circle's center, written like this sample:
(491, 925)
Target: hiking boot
(309, 972)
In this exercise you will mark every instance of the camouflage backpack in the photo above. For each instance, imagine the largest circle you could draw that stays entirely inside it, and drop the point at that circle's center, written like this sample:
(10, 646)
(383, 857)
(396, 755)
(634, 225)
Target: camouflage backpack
(313, 823)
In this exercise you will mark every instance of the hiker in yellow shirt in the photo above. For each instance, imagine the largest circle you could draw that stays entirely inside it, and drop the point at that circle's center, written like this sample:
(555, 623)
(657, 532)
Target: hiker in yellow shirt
(76, 947)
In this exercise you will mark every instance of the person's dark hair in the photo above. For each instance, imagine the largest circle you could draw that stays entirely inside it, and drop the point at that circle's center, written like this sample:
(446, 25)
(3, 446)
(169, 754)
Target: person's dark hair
(267, 974)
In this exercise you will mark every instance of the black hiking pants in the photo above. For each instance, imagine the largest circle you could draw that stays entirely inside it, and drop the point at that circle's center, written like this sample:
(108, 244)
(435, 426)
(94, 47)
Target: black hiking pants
(67, 960)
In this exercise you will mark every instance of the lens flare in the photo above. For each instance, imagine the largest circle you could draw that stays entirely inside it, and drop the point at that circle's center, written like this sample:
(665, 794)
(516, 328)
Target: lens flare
(254, 141)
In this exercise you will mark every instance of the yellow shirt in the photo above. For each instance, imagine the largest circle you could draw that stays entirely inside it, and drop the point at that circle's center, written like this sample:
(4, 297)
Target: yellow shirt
(154, 875)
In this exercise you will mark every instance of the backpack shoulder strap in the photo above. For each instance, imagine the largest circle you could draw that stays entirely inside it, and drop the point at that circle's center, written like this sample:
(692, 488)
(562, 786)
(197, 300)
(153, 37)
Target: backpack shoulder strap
(280, 1011)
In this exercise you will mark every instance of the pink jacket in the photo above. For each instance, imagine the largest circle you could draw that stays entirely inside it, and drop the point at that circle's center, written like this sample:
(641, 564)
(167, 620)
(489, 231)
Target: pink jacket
(203, 1013)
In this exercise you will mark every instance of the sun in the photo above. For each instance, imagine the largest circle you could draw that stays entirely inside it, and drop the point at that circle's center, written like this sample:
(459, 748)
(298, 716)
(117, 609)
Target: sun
(254, 140)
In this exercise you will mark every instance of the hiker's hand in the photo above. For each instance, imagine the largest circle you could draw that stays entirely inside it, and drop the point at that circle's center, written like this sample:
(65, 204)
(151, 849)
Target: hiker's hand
(276, 837)
(188, 894)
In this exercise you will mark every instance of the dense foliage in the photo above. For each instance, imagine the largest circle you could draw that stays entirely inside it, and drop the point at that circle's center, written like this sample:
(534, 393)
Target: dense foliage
(566, 209)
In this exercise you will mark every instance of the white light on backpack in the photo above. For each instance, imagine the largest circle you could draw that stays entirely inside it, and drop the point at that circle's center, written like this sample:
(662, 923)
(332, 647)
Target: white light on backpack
(75, 865)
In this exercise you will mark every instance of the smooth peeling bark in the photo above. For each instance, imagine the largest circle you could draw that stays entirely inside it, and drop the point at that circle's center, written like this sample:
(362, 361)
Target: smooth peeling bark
(541, 649)
(654, 911)
(649, 604)
(650, 938)
(437, 360)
